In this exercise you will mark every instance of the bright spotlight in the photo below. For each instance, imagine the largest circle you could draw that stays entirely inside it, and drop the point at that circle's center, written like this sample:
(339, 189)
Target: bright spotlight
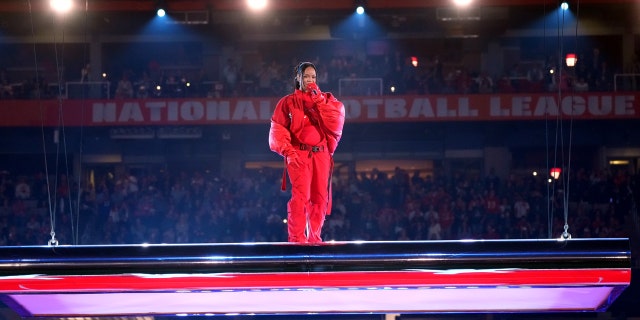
(564, 6)
(161, 12)
(462, 3)
(360, 10)
(257, 4)
(61, 6)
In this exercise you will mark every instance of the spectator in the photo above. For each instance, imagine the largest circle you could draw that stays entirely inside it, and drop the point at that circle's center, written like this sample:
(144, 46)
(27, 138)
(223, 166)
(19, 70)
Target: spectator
(435, 230)
(85, 73)
(124, 90)
(231, 75)
(581, 85)
(22, 189)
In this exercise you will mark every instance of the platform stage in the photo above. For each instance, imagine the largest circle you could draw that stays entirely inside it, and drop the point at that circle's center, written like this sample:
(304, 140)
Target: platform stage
(545, 275)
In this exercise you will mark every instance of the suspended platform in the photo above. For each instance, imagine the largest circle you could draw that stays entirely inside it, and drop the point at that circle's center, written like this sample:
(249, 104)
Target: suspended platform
(546, 275)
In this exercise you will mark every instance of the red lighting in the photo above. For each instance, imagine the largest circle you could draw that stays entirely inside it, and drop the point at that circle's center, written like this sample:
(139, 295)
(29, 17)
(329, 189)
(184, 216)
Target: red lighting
(414, 61)
(571, 59)
(555, 173)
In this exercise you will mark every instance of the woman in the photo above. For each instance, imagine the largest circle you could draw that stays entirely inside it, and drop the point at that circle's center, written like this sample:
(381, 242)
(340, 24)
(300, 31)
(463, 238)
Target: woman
(306, 127)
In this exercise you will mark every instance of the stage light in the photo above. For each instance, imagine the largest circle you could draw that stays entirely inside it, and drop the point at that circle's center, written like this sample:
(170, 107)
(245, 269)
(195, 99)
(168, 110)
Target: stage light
(414, 61)
(564, 6)
(61, 6)
(619, 162)
(462, 3)
(257, 4)
(360, 6)
(571, 59)
(160, 11)
(555, 173)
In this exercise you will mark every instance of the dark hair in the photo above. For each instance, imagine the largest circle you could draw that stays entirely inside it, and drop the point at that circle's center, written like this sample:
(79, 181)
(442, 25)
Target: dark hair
(300, 69)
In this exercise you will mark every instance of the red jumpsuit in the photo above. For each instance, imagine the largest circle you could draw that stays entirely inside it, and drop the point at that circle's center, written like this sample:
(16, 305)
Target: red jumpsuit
(312, 131)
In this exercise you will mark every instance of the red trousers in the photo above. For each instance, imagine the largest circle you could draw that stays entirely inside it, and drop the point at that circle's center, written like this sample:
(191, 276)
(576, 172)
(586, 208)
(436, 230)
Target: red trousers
(307, 208)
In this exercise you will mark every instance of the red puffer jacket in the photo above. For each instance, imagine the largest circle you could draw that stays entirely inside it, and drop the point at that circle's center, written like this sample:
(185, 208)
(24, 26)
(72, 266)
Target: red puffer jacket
(287, 122)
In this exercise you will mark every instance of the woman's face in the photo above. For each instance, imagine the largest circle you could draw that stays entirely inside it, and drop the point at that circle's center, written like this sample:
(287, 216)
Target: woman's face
(308, 76)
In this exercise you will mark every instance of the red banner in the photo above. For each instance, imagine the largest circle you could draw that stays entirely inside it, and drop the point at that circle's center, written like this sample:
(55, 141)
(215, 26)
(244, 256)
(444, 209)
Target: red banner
(21, 113)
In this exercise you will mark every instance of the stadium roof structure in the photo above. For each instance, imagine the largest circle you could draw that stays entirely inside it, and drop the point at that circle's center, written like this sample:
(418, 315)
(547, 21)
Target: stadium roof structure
(397, 19)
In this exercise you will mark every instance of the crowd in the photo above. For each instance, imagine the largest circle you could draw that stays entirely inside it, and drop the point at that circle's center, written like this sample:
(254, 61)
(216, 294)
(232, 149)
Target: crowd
(392, 73)
(199, 207)
(196, 206)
